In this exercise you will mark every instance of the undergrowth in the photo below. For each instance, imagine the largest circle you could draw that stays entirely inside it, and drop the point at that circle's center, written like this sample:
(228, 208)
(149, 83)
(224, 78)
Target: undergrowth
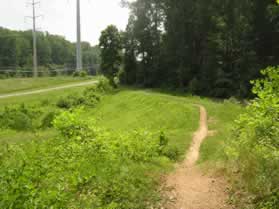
(86, 167)
(253, 152)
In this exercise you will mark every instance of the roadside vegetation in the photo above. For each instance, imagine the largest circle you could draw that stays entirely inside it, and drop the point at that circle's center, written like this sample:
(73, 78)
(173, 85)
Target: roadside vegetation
(115, 143)
(23, 84)
(82, 163)
(113, 146)
(253, 151)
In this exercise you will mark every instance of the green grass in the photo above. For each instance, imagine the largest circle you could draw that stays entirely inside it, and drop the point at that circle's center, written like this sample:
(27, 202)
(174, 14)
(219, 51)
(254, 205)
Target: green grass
(23, 84)
(139, 109)
(174, 113)
(46, 100)
(131, 109)
(221, 121)
(122, 111)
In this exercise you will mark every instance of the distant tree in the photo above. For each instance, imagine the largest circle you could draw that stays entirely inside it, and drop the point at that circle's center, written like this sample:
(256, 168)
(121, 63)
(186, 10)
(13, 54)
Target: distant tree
(110, 45)
(53, 51)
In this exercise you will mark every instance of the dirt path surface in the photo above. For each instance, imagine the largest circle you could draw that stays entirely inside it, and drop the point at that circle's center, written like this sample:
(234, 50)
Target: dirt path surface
(4, 96)
(191, 189)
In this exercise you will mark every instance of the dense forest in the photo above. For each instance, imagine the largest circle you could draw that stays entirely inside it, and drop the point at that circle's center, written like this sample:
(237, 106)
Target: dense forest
(54, 52)
(211, 48)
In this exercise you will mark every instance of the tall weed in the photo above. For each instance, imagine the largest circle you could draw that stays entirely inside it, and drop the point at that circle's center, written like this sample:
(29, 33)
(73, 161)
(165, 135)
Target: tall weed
(254, 150)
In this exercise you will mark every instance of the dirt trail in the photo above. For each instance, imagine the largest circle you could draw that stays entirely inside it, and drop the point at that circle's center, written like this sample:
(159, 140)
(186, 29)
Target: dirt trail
(191, 188)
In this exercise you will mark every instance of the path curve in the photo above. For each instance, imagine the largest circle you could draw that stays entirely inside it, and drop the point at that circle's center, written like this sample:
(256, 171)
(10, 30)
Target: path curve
(4, 96)
(191, 189)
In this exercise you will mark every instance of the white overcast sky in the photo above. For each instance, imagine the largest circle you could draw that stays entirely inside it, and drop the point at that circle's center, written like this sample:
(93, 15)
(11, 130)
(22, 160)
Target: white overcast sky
(59, 17)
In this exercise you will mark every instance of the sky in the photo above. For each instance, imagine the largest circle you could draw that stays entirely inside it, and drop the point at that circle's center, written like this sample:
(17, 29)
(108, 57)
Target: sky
(59, 17)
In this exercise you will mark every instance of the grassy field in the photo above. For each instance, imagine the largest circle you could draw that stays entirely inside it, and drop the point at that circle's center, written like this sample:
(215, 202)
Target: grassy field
(131, 109)
(124, 148)
(139, 109)
(124, 110)
(23, 84)
(46, 100)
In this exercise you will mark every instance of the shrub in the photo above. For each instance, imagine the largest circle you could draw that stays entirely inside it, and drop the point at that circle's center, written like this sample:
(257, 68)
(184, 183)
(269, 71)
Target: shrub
(86, 167)
(64, 102)
(47, 120)
(171, 152)
(45, 102)
(82, 73)
(19, 117)
(76, 74)
(254, 150)
(19, 121)
(71, 125)
(92, 96)
(104, 85)
(70, 101)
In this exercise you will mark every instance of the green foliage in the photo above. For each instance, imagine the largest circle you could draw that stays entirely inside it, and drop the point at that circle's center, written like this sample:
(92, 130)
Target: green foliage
(212, 48)
(255, 148)
(82, 74)
(89, 97)
(48, 118)
(76, 74)
(104, 85)
(70, 124)
(86, 167)
(54, 52)
(19, 117)
(172, 152)
(110, 44)
(70, 101)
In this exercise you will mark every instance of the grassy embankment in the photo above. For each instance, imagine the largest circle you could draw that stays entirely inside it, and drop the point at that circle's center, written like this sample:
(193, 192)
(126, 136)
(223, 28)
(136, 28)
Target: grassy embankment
(142, 109)
(127, 110)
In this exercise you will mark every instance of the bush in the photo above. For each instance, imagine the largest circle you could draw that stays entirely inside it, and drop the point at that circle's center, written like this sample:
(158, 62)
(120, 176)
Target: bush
(89, 97)
(64, 102)
(71, 101)
(19, 117)
(171, 152)
(86, 167)
(82, 73)
(254, 150)
(76, 74)
(71, 125)
(47, 120)
(104, 85)
(19, 121)
(92, 96)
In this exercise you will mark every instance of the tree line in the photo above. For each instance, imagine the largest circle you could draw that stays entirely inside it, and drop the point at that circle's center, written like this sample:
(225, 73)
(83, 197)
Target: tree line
(211, 48)
(16, 51)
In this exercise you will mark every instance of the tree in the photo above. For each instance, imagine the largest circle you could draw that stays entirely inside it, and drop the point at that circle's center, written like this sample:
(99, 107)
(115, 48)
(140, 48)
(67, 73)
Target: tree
(53, 51)
(110, 45)
(211, 48)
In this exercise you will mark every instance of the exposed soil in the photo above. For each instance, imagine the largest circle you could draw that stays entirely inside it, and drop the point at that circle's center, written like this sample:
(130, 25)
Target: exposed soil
(190, 187)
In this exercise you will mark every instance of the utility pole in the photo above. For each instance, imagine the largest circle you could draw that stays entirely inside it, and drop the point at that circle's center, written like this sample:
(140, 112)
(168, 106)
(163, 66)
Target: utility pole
(78, 44)
(34, 33)
(35, 61)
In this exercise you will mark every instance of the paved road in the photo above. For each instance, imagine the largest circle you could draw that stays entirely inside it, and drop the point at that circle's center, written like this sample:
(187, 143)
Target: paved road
(87, 83)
